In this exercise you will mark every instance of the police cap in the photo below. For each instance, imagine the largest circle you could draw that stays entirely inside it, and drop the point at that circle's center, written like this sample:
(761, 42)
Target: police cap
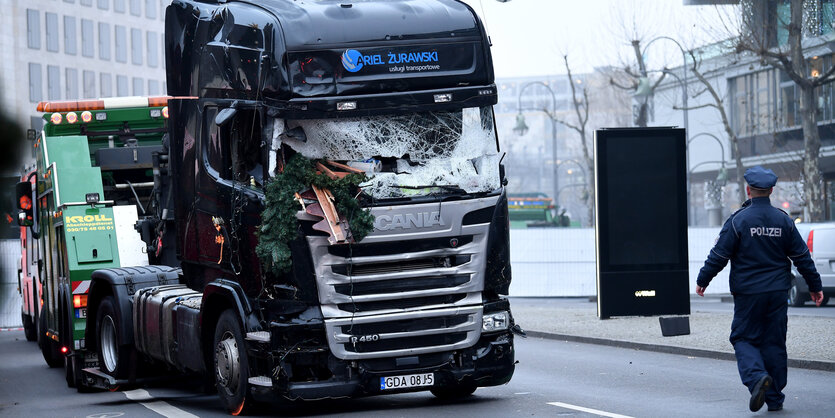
(760, 178)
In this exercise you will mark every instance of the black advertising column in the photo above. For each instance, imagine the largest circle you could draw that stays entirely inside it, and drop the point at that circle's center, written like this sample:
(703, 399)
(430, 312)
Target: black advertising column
(641, 222)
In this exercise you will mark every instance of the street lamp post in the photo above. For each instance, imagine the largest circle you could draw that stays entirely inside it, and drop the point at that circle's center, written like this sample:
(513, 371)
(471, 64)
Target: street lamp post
(684, 105)
(714, 214)
(521, 127)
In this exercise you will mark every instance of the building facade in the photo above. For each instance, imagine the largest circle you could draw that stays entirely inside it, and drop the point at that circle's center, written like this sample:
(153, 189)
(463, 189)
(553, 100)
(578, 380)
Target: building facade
(79, 49)
(542, 102)
(763, 110)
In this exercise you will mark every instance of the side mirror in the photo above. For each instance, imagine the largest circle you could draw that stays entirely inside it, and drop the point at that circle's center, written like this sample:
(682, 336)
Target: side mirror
(23, 194)
(225, 115)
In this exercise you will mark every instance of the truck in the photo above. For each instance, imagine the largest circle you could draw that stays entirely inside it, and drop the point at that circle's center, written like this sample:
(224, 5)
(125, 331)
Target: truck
(532, 210)
(151, 211)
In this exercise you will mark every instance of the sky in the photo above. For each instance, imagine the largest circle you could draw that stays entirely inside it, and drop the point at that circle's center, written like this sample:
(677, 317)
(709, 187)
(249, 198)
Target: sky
(530, 36)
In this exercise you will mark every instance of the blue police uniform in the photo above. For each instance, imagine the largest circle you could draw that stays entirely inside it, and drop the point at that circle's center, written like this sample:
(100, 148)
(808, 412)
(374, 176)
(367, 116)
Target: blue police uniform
(760, 241)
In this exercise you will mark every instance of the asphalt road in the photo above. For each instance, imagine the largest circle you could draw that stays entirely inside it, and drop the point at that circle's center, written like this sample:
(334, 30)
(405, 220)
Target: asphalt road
(552, 379)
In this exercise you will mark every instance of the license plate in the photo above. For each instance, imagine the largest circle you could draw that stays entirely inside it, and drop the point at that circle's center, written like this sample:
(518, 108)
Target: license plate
(407, 381)
(81, 313)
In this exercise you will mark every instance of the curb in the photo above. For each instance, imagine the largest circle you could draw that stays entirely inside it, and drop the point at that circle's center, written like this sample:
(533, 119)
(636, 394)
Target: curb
(826, 366)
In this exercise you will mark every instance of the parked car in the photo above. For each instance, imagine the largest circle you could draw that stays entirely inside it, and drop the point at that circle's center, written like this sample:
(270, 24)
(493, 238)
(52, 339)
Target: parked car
(820, 238)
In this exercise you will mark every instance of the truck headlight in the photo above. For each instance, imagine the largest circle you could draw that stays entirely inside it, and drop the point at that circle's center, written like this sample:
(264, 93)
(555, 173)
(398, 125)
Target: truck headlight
(496, 321)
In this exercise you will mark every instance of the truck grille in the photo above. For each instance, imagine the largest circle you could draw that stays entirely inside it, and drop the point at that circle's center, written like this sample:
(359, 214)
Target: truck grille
(394, 280)
(400, 334)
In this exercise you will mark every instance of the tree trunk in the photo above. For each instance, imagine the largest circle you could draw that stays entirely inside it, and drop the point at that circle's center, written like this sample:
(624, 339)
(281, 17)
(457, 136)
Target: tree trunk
(740, 180)
(590, 202)
(813, 184)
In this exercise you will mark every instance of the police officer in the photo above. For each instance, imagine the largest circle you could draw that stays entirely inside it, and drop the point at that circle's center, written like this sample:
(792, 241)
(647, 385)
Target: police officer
(759, 240)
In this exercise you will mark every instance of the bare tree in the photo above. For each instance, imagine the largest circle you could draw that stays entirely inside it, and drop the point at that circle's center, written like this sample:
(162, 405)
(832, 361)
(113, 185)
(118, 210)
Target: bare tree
(718, 102)
(639, 83)
(758, 36)
(580, 106)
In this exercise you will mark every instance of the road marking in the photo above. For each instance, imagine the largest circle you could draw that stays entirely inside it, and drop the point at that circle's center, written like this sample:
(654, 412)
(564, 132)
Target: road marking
(589, 410)
(160, 407)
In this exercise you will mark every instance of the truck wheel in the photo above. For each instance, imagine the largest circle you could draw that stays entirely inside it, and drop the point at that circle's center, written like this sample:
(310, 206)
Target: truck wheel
(453, 392)
(231, 365)
(69, 372)
(49, 348)
(795, 297)
(114, 357)
(29, 329)
(825, 301)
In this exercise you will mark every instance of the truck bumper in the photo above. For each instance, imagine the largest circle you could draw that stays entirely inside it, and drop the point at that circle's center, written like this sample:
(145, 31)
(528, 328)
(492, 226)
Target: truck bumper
(490, 362)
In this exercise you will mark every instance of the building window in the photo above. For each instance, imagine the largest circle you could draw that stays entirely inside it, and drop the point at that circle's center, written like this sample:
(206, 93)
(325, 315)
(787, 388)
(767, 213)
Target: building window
(86, 2)
(89, 80)
(53, 82)
(104, 41)
(136, 46)
(35, 83)
(153, 57)
(121, 43)
(70, 45)
(122, 86)
(151, 9)
(153, 87)
(71, 75)
(119, 6)
(106, 85)
(138, 86)
(33, 29)
(51, 32)
(136, 7)
(87, 38)
(754, 103)
(104, 4)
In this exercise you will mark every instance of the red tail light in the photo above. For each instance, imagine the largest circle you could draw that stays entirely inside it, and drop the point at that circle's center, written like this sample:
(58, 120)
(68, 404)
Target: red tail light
(25, 202)
(64, 350)
(810, 242)
(79, 301)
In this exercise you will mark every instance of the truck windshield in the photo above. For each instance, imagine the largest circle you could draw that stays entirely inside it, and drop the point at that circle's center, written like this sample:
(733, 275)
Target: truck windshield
(416, 154)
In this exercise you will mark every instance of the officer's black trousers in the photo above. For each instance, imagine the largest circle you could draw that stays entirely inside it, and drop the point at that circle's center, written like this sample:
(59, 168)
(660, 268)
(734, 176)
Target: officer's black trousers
(758, 334)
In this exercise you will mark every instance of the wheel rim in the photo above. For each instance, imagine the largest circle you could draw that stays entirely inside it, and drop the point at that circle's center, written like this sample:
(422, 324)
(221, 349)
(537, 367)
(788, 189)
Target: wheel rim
(108, 344)
(227, 362)
(793, 295)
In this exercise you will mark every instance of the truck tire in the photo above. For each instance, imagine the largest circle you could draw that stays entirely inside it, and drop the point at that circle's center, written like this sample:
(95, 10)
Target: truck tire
(231, 365)
(114, 357)
(49, 348)
(825, 301)
(69, 372)
(796, 297)
(454, 392)
(29, 328)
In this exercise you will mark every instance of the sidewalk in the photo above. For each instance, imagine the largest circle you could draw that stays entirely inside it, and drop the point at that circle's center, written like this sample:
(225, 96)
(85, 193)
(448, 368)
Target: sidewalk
(810, 341)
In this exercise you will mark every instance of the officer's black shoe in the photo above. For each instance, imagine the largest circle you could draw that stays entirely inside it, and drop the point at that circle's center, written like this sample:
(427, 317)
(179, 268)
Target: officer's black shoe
(758, 394)
(775, 408)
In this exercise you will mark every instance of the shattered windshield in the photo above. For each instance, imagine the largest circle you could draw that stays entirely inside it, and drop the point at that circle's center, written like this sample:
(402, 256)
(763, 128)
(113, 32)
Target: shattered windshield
(404, 155)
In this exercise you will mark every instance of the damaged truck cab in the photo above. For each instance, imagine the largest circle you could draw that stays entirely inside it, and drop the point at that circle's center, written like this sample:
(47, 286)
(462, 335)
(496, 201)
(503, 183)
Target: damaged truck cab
(401, 91)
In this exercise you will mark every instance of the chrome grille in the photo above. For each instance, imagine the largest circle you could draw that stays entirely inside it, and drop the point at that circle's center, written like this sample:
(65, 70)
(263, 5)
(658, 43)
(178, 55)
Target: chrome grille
(405, 275)
(384, 335)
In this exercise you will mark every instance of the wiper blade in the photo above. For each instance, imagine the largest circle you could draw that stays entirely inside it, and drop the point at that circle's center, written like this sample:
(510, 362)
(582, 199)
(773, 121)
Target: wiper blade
(448, 187)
